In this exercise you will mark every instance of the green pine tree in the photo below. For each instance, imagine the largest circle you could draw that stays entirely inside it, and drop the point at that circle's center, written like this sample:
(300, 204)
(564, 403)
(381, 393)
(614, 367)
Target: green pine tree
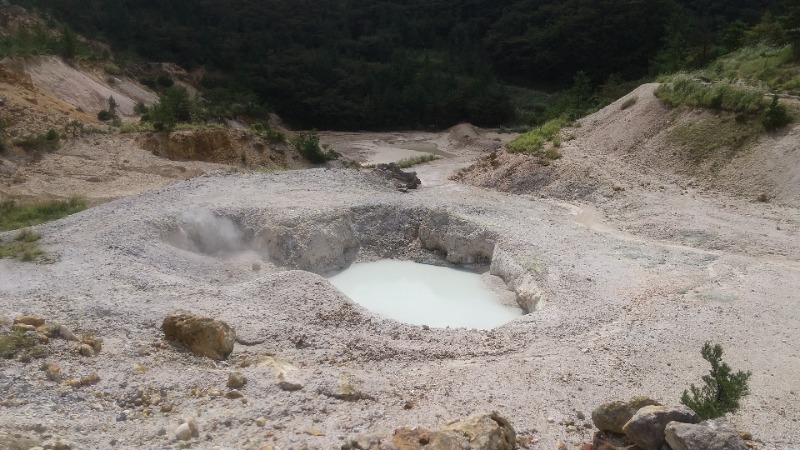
(723, 389)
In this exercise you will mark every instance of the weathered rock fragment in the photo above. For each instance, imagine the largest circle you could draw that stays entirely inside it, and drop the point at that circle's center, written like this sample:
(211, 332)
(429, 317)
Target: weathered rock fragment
(402, 180)
(646, 427)
(613, 416)
(708, 435)
(201, 335)
(484, 431)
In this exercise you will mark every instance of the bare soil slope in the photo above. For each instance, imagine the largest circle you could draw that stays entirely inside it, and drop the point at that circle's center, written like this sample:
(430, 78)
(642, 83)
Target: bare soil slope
(84, 89)
(616, 148)
(28, 109)
(96, 161)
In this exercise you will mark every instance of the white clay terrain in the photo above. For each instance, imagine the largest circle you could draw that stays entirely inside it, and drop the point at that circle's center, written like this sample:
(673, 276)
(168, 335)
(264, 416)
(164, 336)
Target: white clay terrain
(625, 269)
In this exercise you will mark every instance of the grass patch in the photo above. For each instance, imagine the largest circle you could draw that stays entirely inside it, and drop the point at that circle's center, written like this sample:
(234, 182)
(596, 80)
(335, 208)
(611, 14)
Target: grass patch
(14, 215)
(628, 103)
(774, 67)
(413, 161)
(43, 142)
(682, 89)
(776, 116)
(309, 147)
(716, 137)
(25, 246)
(19, 344)
(264, 130)
(136, 127)
(199, 126)
(533, 142)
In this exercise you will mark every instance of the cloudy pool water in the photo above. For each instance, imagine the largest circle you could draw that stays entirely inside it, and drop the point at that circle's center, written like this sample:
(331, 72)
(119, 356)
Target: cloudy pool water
(422, 294)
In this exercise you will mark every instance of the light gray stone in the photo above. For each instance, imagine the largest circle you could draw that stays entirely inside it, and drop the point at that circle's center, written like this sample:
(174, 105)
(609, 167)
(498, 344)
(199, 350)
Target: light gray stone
(646, 427)
(613, 416)
(708, 435)
(183, 432)
(236, 380)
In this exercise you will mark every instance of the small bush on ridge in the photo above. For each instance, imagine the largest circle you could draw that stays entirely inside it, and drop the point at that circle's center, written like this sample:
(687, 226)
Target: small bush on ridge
(308, 146)
(776, 116)
(683, 90)
(723, 389)
(533, 141)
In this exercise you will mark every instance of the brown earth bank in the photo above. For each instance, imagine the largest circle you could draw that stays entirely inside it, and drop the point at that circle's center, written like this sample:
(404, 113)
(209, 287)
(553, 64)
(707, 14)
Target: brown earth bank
(96, 161)
(102, 167)
(646, 145)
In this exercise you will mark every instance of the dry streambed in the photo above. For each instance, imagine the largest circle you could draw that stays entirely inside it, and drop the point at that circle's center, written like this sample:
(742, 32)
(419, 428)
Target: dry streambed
(609, 315)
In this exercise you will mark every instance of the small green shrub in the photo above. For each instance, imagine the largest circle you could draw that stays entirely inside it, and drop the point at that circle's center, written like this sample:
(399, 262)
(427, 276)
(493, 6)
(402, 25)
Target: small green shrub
(149, 82)
(308, 146)
(758, 64)
(14, 215)
(408, 162)
(265, 131)
(47, 141)
(776, 116)
(112, 69)
(628, 103)
(165, 80)
(19, 344)
(104, 115)
(533, 141)
(3, 142)
(722, 389)
(135, 127)
(715, 137)
(683, 90)
(24, 246)
(173, 107)
(140, 109)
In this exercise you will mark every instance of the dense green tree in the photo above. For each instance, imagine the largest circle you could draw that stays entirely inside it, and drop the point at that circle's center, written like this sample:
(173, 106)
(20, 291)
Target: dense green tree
(173, 107)
(68, 43)
(408, 63)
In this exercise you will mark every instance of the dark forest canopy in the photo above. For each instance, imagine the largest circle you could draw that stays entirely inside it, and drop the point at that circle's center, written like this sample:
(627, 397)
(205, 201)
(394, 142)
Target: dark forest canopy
(414, 63)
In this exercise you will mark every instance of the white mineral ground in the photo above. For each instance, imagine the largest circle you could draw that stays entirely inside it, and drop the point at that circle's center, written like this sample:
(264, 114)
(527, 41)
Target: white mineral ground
(634, 283)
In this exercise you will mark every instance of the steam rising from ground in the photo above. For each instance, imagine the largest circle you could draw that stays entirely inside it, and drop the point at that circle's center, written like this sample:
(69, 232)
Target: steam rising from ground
(202, 231)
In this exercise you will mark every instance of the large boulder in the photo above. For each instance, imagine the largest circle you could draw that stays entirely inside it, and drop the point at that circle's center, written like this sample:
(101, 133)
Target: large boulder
(646, 427)
(484, 431)
(708, 435)
(201, 335)
(613, 416)
(402, 180)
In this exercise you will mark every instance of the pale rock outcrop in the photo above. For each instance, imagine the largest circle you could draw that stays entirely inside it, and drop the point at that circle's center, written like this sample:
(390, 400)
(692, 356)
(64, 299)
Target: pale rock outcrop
(484, 431)
(201, 335)
(614, 415)
(715, 434)
(463, 242)
(402, 180)
(646, 427)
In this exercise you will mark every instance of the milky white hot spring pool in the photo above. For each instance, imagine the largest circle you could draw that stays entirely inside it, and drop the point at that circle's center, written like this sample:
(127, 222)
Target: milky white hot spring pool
(423, 294)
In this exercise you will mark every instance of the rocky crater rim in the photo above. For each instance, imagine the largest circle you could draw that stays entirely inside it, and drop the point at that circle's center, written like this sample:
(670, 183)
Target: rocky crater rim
(327, 243)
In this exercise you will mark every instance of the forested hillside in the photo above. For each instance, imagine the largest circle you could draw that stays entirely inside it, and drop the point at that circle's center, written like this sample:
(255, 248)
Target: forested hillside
(391, 63)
